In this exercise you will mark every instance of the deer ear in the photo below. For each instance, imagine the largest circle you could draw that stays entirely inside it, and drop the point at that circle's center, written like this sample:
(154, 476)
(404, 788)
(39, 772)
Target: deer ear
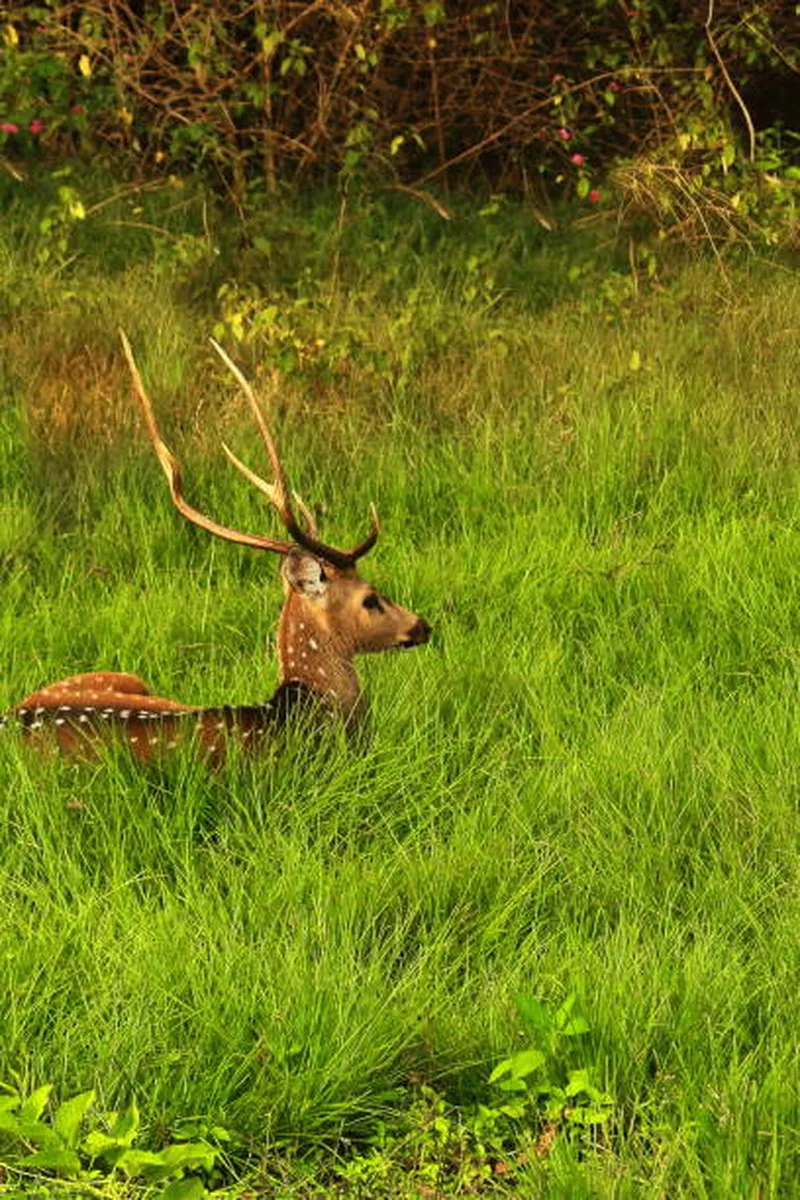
(305, 574)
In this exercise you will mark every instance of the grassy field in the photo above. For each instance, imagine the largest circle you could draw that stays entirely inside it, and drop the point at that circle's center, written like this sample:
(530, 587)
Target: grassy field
(587, 785)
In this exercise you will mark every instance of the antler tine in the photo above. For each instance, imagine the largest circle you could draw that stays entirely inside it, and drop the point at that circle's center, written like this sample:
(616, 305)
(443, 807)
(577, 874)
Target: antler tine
(369, 541)
(308, 516)
(171, 469)
(270, 490)
(278, 492)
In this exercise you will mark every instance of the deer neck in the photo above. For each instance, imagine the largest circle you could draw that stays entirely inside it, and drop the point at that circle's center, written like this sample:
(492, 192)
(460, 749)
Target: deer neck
(312, 655)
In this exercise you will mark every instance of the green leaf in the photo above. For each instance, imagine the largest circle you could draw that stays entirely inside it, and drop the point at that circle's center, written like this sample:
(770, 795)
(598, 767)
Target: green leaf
(535, 1012)
(596, 1116)
(515, 1111)
(500, 1070)
(584, 1114)
(564, 1009)
(126, 1126)
(579, 1025)
(10, 1101)
(33, 1107)
(67, 1121)
(10, 1122)
(578, 1082)
(172, 1160)
(146, 1164)
(38, 1132)
(99, 1145)
(183, 1189)
(189, 1155)
(270, 43)
(526, 1062)
(54, 1158)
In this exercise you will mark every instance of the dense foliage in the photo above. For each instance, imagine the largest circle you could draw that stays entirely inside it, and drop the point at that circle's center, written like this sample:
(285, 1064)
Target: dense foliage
(682, 107)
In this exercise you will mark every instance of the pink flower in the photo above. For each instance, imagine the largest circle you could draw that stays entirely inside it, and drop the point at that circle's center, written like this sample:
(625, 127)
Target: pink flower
(614, 86)
(78, 109)
(577, 159)
(594, 195)
(9, 127)
(36, 126)
(565, 134)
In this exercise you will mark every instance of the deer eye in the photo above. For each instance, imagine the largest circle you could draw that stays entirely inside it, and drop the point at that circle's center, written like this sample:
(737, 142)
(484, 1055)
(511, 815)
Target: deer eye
(372, 601)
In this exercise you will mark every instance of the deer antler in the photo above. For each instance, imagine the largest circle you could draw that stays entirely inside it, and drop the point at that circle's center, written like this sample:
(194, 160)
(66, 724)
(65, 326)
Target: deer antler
(277, 492)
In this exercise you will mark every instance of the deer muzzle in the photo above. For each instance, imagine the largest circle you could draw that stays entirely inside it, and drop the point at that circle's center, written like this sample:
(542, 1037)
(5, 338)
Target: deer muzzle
(418, 635)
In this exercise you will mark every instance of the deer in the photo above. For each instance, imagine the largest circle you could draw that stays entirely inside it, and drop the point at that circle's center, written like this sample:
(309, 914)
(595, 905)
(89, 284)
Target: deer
(329, 616)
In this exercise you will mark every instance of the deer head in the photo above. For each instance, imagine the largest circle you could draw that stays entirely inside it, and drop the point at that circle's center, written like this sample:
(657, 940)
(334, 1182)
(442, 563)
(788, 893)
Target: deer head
(329, 614)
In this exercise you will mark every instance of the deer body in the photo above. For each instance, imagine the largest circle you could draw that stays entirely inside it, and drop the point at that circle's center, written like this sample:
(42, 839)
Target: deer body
(329, 616)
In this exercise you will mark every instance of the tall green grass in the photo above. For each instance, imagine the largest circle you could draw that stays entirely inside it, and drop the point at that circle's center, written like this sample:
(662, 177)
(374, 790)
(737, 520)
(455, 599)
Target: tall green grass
(588, 782)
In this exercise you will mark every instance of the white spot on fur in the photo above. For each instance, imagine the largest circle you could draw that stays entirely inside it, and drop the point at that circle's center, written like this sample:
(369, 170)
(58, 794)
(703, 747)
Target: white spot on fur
(314, 645)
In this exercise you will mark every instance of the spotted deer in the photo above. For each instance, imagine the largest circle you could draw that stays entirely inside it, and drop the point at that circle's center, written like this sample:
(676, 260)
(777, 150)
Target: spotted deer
(329, 616)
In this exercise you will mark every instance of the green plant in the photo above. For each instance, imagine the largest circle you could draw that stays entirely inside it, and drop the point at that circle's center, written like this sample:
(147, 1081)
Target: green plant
(537, 1079)
(535, 1098)
(58, 223)
(62, 1145)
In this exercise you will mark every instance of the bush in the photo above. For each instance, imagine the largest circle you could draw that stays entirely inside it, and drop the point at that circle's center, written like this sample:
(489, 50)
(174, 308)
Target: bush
(410, 89)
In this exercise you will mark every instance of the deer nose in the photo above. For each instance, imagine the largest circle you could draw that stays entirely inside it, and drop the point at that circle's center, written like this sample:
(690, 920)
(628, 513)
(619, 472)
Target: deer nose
(419, 633)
